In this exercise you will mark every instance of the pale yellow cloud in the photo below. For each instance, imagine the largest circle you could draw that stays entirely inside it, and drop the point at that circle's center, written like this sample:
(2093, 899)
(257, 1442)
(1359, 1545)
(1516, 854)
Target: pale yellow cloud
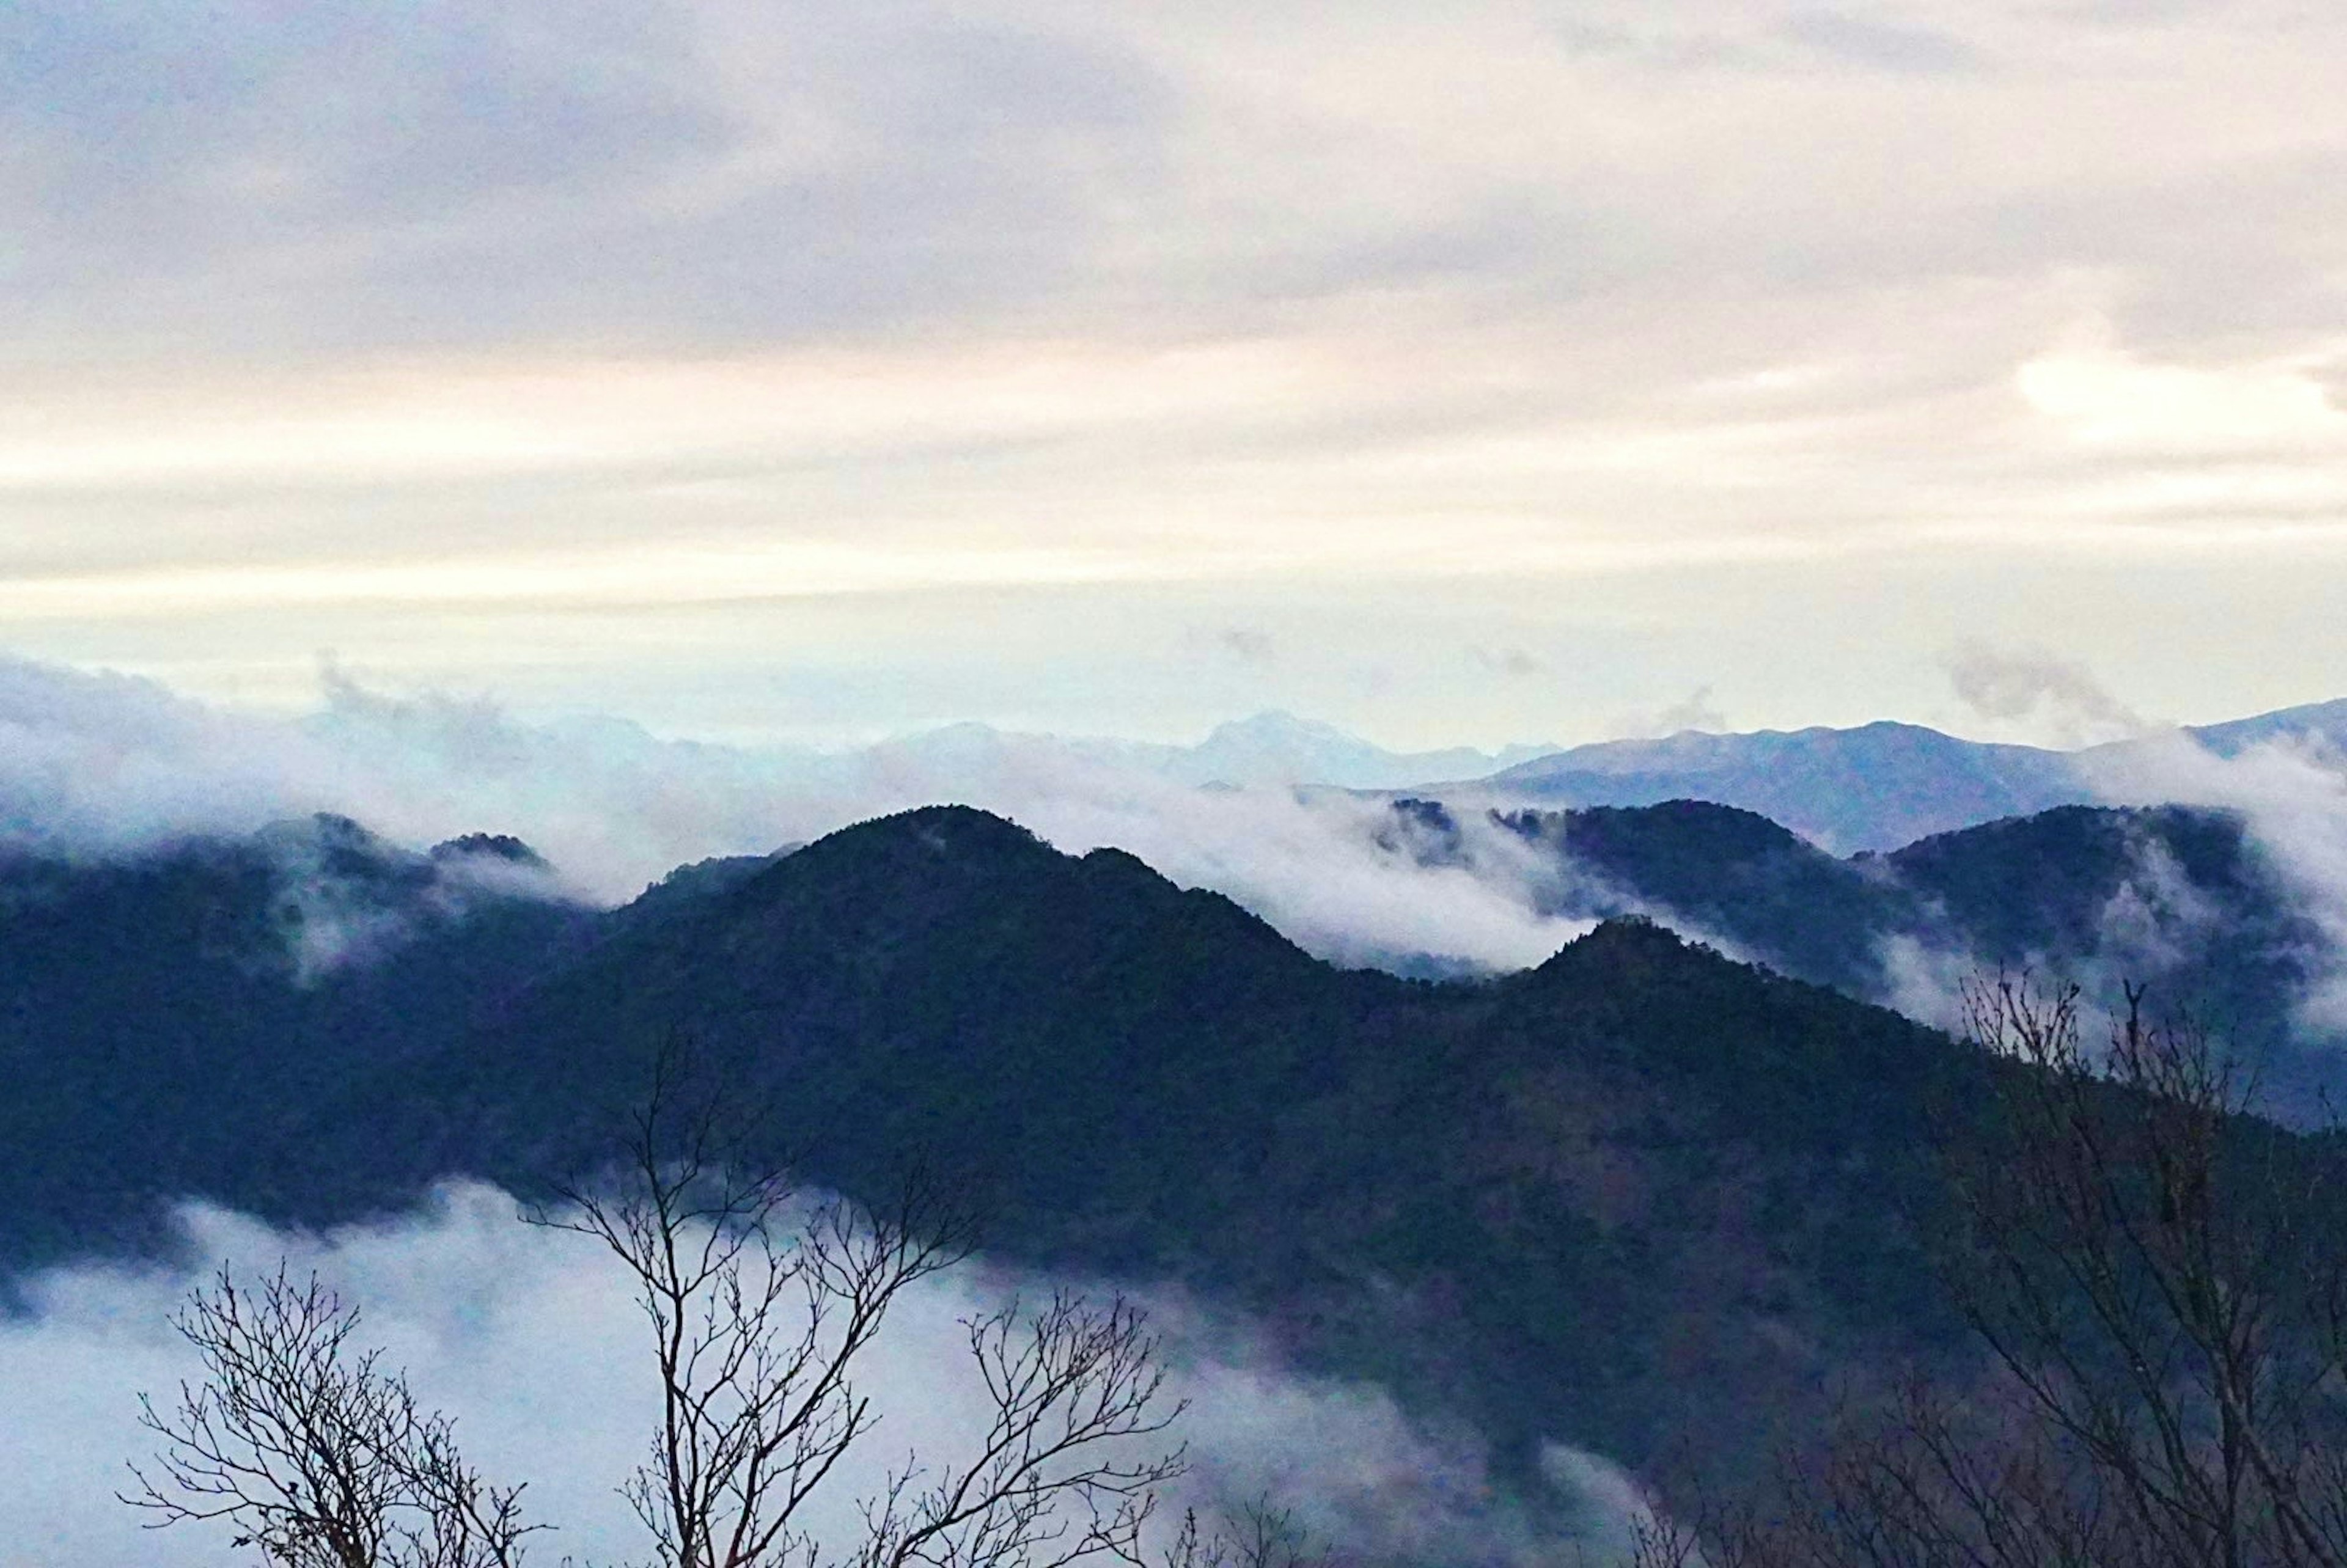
(1681, 307)
(2098, 394)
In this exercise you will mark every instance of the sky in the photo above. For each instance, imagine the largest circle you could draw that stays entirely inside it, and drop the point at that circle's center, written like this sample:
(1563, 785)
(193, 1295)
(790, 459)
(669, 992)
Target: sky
(1457, 374)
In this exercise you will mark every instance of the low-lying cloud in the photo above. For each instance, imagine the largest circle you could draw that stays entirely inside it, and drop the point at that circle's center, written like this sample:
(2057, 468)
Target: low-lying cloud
(529, 1339)
(2291, 793)
(97, 764)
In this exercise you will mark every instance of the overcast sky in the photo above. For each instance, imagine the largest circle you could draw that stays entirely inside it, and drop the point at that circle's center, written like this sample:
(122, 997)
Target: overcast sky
(1464, 372)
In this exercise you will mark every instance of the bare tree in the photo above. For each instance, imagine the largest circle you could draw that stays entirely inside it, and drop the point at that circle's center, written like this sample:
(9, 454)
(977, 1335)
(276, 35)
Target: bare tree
(761, 1301)
(2146, 1256)
(315, 1452)
(1059, 1477)
(2158, 1278)
(1257, 1536)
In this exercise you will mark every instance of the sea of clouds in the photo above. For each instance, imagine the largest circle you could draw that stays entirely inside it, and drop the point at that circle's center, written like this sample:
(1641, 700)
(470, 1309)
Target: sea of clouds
(98, 764)
(101, 764)
(531, 1339)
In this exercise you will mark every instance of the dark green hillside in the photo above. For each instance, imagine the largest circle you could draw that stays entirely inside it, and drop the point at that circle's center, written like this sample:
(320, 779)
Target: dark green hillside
(1733, 874)
(1602, 1201)
(2176, 898)
(943, 980)
(1566, 1200)
(159, 1016)
(2045, 884)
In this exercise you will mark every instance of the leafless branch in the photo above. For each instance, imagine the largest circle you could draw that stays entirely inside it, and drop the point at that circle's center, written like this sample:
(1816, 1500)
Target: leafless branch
(316, 1453)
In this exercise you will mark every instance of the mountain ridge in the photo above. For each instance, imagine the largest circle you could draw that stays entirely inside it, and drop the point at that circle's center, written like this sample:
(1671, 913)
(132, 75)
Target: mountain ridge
(1875, 786)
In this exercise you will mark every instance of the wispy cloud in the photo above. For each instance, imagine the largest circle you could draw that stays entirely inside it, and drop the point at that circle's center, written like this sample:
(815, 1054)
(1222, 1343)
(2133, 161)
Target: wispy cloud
(2059, 699)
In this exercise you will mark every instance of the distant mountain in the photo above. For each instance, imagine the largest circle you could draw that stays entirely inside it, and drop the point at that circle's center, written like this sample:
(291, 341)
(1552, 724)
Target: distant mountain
(1269, 749)
(2325, 720)
(1877, 787)
(1278, 748)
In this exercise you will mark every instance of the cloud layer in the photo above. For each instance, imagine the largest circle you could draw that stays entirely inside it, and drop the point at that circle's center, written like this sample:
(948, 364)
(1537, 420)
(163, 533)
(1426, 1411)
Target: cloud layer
(98, 763)
(94, 763)
(817, 373)
(529, 1339)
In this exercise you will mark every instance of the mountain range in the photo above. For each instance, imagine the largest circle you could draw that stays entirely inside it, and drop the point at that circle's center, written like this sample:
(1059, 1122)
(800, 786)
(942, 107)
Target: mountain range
(1595, 1201)
(1270, 748)
(1880, 785)
(1872, 786)
(2185, 902)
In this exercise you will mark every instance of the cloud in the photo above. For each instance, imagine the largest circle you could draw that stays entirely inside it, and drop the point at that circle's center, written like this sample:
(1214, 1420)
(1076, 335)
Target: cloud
(1925, 979)
(2036, 688)
(478, 174)
(2291, 796)
(2155, 922)
(530, 1340)
(1514, 663)
(650, 328)
(105, 765)
(1695, 711)
(1880, 45)
(1248, 644)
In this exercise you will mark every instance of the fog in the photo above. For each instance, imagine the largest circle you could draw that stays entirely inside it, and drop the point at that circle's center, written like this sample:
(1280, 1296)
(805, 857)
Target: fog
(2292, 795)
(102, 764)
(529, 1337)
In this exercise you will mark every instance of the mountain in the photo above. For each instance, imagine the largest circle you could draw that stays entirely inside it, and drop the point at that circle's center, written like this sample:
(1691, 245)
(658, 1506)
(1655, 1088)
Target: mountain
(1598, 1201)
(1277, 748)
(1579, 1203)
(1585, 1202)
(2180, 900)
(154, 1012)
(2326, 721)
(1269, 749)
(1877, 787)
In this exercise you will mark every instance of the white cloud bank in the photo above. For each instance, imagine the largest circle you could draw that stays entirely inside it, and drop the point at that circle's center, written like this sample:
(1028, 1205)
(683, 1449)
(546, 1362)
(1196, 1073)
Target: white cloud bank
(529, 1339)
(94, 763)
(2291, 794)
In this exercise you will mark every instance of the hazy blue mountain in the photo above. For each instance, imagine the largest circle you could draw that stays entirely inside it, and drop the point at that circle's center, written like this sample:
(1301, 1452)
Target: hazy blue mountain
(2326, 720)
(1269, 749)
(1877, 787)
(1279, 748)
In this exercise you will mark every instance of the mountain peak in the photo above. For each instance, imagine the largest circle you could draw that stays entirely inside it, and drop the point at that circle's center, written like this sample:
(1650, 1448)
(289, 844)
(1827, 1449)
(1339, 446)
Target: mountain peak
(1279, 725)
(942, 830)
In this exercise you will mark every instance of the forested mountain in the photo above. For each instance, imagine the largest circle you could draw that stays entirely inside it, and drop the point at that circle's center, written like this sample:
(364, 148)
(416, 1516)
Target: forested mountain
(1595, 1201)
(158, 1015)
(2183, 900)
